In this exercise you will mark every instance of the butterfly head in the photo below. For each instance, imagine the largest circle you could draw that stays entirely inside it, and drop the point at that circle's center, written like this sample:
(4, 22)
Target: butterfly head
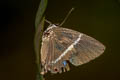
(49, 31)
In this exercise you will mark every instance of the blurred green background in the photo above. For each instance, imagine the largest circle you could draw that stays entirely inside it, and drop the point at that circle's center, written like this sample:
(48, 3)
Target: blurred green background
(97, 18)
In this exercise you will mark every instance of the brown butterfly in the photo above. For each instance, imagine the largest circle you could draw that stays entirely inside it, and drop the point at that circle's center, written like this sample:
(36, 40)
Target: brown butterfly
(60, 45)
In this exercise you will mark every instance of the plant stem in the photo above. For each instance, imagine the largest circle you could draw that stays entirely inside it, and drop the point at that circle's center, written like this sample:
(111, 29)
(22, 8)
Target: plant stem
(39, 26)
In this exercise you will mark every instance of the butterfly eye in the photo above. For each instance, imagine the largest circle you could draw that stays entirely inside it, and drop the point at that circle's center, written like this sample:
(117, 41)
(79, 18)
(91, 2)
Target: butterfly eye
(46, 34)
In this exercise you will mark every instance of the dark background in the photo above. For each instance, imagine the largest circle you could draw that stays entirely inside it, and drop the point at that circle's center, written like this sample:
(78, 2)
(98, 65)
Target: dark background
(97, 18)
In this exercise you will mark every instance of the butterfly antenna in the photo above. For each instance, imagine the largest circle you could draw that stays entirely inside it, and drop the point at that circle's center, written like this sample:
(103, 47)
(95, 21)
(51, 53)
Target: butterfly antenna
(66, 17)
(48, 21)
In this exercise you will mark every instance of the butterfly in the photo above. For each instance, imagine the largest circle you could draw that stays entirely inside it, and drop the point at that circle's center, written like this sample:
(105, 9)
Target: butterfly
(61, 45)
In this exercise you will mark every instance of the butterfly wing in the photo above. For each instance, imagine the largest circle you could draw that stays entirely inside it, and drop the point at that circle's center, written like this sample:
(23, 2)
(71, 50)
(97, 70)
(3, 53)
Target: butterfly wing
(53, 46)
(61, 41)
(45, 49)
(85, 50)
(58, 49)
